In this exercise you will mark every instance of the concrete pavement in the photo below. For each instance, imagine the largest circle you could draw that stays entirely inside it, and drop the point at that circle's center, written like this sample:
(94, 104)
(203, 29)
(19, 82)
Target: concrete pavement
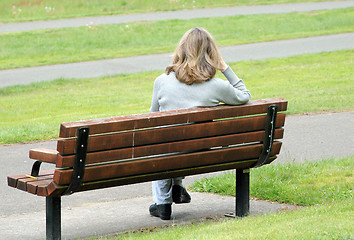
(115, 217)
(283, 48)
(184, 14)
(255, 51)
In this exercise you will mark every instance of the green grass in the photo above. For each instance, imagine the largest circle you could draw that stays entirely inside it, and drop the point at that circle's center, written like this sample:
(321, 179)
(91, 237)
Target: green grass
(31, 10)
(304, 184)
(311, 83)
(334, 221)
(315, 82)
(326, 187)
(44, 47)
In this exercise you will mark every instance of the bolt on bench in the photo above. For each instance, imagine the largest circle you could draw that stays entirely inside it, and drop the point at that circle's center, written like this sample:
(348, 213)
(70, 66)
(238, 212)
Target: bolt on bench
(123, 150)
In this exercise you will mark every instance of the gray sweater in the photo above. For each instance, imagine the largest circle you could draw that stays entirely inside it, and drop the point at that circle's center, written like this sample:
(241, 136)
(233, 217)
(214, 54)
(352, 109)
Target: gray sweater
(171, 94)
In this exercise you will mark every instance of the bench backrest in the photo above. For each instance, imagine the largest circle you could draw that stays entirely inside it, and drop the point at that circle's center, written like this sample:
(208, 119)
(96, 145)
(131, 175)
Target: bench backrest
(145, 147)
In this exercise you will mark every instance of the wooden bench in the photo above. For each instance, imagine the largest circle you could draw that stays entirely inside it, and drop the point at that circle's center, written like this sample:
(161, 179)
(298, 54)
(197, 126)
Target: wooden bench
(123, 150)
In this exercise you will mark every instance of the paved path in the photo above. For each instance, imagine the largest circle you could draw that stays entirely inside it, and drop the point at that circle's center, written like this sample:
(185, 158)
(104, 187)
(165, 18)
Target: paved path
(120, 216)
(256, 51)
(100, 68)
(185, 14)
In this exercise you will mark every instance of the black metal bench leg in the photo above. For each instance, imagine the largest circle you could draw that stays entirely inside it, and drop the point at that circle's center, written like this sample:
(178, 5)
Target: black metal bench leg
(242, 192)
(53, 218)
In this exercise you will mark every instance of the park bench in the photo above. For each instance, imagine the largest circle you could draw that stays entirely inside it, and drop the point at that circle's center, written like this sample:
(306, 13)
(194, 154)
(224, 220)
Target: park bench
(108, 152)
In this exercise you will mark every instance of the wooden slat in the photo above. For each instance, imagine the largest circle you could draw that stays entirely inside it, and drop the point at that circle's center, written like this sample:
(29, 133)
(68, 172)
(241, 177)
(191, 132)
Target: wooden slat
(166, 174)
(94, 173)
(56, 190)
(13, 180)
(24, 181)
(175, 133)
(44, 155)
(43, 190)
(115, 124)
(51, 190)
(183, 146)
(33, 186)
(170, 174)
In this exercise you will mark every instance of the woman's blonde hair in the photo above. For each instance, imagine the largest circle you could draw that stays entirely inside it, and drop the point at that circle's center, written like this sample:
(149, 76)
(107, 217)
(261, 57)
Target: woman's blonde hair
(196, 57)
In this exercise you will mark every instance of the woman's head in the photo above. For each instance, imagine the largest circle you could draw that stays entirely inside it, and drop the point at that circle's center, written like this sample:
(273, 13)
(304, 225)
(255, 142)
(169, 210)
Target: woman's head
(196, 57)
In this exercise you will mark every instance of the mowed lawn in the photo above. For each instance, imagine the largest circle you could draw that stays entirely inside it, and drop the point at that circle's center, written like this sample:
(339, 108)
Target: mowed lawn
(324, 187)
(44, 47)
(311, 83)
(32, 10)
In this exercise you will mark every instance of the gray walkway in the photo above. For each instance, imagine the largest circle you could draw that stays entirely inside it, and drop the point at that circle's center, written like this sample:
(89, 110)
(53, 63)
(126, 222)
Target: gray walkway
(100, 68)
(185, 14)
(120, 216)
(256, 51)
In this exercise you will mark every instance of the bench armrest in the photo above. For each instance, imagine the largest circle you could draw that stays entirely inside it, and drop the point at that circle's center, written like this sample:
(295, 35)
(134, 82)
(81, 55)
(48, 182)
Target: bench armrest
(41, 155)
(44, 155)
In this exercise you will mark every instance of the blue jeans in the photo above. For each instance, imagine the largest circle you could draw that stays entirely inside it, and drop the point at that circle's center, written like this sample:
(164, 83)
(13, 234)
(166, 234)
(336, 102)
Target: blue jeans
(162, 190)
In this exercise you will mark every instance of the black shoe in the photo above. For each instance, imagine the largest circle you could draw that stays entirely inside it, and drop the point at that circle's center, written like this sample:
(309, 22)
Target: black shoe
(162, 211)
(180, 195)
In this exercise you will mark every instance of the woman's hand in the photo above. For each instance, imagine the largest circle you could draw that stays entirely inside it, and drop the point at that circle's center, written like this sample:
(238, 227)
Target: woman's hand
(223, 65)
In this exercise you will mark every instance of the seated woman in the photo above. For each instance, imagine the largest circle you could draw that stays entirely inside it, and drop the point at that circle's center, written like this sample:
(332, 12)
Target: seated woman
(190, 82)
